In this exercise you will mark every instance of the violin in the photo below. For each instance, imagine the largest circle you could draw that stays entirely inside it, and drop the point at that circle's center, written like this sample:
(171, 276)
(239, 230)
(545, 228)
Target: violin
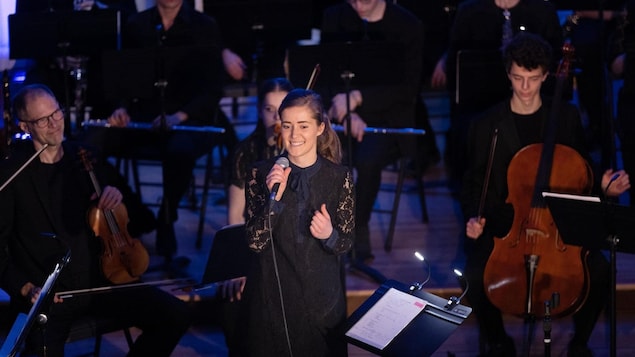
(124, 259)
(531, 261)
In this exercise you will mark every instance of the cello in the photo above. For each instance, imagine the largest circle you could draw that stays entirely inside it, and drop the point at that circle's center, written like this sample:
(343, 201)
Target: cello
(531, 261)
(124, 258)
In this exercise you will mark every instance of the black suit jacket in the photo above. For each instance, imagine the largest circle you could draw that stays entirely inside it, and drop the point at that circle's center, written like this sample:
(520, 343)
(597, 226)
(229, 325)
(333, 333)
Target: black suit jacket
(40, 222)
(500, 214)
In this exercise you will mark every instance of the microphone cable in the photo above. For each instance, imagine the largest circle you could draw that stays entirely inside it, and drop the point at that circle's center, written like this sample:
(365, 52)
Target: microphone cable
(277, 273)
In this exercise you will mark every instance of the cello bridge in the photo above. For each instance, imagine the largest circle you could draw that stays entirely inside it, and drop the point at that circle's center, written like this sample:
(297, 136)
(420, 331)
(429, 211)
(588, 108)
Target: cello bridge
(533, 234)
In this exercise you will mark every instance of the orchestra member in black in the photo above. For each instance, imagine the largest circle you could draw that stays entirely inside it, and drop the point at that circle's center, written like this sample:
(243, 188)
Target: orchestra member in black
(44, 214)
(521, 121)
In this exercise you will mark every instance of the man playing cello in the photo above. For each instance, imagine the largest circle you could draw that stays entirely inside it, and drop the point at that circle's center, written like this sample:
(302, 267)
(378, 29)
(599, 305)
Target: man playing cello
(519, 122)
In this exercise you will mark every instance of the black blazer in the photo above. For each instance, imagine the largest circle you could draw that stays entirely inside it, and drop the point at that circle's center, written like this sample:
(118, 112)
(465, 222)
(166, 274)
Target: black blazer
(497, 211)
(40, 222)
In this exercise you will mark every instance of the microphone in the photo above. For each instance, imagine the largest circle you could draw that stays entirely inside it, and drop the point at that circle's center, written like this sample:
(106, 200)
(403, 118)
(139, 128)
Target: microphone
(453, 300)
(284, 162)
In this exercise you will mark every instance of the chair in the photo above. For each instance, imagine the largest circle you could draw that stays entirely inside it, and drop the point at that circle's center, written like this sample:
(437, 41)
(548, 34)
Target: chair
(402, 171)
(133, 165)
(90, 326)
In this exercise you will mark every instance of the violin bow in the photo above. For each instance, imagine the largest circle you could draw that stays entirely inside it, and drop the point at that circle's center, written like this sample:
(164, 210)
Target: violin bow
(488, 173)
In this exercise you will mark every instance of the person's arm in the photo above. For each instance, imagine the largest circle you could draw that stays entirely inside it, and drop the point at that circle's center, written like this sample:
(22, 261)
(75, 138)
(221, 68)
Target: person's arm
(498, 214)
(262, 214)
(234, 65)
(343, 220)
(236, 205)
(12, 279)
(439, 78)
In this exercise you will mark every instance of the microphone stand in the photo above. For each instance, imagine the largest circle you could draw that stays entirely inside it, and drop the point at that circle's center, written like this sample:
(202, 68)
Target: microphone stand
(546, 326)
(162, 84)
(347, 77)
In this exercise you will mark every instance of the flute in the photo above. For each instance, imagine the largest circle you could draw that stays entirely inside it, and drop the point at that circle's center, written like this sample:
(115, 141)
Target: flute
(99, 123)
(393, 131)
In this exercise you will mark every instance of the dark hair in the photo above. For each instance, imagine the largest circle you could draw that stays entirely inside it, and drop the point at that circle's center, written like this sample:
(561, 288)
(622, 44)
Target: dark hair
(328, 144)
(529, 51)
(25, 94)
(277, 84)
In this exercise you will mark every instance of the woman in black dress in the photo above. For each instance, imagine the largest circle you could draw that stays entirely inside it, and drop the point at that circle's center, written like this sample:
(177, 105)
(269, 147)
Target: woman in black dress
(295, 290)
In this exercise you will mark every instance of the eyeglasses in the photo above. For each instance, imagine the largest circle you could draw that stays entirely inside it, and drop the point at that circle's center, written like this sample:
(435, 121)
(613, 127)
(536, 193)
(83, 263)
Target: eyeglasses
(43, 122)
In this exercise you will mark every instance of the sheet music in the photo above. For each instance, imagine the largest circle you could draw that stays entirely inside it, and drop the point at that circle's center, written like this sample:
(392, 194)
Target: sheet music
(387, 318)
(571, 197)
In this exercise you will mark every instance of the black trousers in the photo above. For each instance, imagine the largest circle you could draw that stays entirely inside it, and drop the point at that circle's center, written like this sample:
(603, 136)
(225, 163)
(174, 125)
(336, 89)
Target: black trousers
(371, 156)
(162, 317)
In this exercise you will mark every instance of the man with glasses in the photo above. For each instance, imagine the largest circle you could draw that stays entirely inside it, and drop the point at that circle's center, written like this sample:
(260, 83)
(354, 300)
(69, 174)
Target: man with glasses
(43, 214)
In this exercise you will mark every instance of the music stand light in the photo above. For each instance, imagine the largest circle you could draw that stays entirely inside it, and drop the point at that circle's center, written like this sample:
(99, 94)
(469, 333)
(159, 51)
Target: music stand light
(422, 336)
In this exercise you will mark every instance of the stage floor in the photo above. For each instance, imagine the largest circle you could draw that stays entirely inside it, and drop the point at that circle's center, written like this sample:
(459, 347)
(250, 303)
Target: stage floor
(439, 240)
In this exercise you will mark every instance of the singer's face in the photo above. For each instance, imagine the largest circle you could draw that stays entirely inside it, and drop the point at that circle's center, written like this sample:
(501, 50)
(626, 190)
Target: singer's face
(38, 107)
(269, 110)
(299, 135)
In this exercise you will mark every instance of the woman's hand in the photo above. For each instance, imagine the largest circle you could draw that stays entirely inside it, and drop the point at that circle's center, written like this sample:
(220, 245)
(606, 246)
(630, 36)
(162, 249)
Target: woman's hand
(321, 226)
(232, 289)
(280, 175)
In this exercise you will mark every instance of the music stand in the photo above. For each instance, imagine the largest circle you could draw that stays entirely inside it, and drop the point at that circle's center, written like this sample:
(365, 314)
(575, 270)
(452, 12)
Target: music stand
(431, 325)
(229, 257)
(23, 323)
(342, 63)
(595, 225)
(61, 33)
(362, 58)
(262, 29)
(481, 80)
(366, 63)
(132, 74)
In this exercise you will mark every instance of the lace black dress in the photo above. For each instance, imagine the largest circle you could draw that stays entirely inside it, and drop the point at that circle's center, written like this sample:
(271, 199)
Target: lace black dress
(252, 149)
(310, 269)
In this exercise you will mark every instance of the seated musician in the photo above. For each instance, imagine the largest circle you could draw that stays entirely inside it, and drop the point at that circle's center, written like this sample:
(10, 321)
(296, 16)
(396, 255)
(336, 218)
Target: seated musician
(486, 25)
(377, 105)
(190, 98)
(44, 215)
(521, 121)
